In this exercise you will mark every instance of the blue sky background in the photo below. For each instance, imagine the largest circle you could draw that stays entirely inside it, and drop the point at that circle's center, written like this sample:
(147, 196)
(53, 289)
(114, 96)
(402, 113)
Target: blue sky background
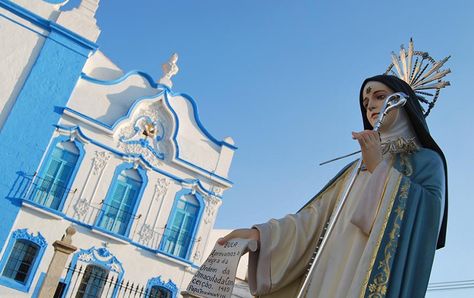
(282, 78)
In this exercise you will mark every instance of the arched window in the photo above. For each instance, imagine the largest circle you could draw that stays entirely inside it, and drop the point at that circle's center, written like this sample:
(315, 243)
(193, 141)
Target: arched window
(118, 209)
(51, 185)
(93, 272)
(157, 288)
(160, 292)
(20, 262)
(181, 227)
(21, 259)
(92, 282)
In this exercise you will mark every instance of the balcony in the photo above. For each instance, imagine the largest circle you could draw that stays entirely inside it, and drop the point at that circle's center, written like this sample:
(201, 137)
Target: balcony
(128, 226)
(105, 217)
(39, 191)
(120, 224)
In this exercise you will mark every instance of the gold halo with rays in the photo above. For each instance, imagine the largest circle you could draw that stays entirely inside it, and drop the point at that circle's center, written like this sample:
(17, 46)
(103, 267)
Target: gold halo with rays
(424, 75)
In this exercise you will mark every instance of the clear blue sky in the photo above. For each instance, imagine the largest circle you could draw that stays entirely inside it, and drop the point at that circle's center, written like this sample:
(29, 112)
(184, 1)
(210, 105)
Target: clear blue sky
(282, 78)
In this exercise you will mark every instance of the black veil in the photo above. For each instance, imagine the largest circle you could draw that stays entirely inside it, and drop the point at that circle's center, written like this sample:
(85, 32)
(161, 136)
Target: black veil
(415, 115)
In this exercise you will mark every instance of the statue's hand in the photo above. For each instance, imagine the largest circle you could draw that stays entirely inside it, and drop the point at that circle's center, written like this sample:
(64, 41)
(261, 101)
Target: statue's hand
(251, 234)
(370, 146)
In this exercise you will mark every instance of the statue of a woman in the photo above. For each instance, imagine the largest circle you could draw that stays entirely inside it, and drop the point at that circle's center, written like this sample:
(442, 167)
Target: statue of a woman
(384, 241)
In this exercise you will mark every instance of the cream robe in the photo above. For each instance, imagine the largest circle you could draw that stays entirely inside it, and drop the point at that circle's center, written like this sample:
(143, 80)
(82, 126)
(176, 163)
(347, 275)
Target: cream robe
(287, 244)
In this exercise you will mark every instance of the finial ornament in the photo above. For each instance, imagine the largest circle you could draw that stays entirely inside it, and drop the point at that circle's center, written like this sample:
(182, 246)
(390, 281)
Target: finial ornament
(170, 69)
(424, 75)
(67, 238)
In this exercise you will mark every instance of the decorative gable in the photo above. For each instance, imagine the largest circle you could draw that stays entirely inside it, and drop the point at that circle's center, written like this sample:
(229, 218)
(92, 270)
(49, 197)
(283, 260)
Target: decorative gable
(147, 130)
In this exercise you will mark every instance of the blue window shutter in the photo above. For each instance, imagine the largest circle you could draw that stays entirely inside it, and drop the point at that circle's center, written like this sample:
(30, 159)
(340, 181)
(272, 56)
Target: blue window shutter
(58, 169)
(118, 209)
(124, 211)
(113, 207)
(41, 192)
(178, 236)
(173, 231)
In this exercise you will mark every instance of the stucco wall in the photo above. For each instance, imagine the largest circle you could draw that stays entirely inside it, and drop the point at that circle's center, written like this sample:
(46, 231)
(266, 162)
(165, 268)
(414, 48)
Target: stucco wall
(20, 46)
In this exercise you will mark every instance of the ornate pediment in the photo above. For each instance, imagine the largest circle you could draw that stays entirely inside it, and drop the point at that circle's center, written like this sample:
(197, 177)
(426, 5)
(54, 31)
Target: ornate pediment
(147, 131)
(100, 256)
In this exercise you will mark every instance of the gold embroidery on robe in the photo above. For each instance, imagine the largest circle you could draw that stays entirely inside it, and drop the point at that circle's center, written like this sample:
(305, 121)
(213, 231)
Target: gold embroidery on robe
(378, 286)
(379, 239)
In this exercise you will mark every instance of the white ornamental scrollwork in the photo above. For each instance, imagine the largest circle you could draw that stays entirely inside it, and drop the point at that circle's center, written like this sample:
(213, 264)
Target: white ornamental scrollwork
(161, 187)
(132, 141)
(212, 204)
(147, 132)
(216, 190)
(145, 234)
(81, 207)
(86, 257)
(100, 256)
(126, 132)
(137, 149)
(100, 161)
(197, 255)
(152, 112)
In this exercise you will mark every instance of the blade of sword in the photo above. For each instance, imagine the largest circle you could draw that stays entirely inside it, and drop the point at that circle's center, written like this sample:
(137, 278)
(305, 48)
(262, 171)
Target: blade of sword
(340, 157)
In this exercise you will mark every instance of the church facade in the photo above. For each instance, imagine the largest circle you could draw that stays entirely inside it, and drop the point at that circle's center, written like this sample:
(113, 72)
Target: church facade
(121, 157)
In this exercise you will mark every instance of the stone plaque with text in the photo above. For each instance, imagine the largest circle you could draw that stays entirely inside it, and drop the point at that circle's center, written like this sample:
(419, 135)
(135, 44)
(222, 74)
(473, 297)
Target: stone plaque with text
(215, 278)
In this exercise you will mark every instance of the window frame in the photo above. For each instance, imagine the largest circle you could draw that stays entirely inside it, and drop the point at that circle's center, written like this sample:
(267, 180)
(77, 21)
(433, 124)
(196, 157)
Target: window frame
(46, 161)
(39, 241)
(201, 207)
(157, 281)
(109, 197)
(101, 257)
(89, 284)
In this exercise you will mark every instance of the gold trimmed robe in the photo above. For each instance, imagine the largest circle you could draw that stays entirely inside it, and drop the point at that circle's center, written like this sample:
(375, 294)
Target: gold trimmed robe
(389, 223)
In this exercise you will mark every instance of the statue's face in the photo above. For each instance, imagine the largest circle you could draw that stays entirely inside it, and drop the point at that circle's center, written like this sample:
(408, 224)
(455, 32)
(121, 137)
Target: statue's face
(374, 95)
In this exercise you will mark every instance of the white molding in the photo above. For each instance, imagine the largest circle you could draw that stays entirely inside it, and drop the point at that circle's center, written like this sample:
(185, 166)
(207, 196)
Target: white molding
(107, 235)
(41, 210)
(88, 122)
(173, 260)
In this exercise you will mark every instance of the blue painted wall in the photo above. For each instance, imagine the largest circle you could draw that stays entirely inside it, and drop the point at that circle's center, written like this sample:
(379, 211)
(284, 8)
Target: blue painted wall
(30, 124)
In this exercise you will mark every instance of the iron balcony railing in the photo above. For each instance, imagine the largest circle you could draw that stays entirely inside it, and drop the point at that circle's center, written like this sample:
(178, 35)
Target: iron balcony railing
(42, 191)
(84, 282)
(118, 221)
(52, 195)
(105, 216)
